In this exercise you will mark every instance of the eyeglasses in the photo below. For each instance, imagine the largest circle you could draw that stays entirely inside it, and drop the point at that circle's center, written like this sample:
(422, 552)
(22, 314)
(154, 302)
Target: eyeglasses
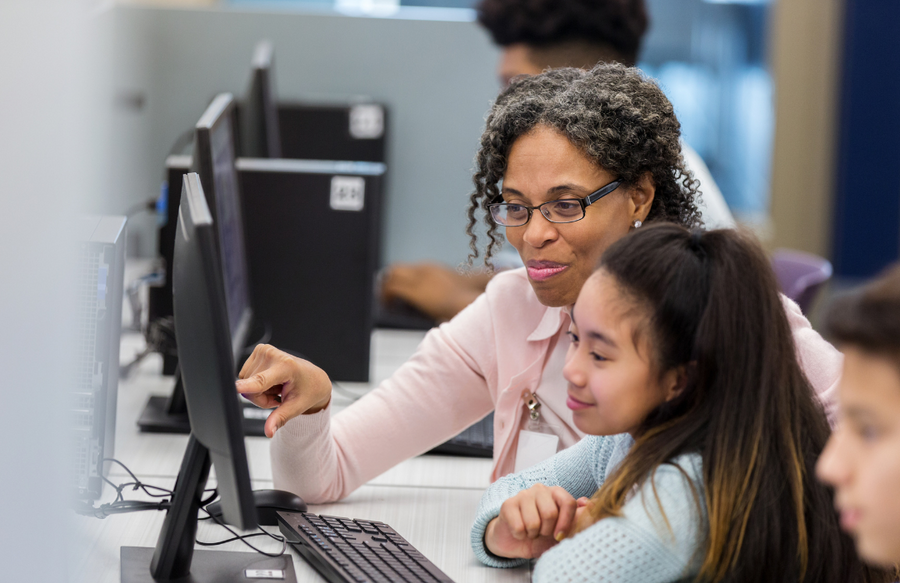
(566, 210)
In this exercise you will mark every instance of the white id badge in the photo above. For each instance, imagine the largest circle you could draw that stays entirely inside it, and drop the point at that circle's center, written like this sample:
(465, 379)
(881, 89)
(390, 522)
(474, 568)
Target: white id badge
(534, 448)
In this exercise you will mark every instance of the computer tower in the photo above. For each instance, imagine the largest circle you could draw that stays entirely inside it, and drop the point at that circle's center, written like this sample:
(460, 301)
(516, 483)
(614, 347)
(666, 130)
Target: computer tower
(159, 298)
(333, 131)
(99, 279)
(313, 234)
(311, 131)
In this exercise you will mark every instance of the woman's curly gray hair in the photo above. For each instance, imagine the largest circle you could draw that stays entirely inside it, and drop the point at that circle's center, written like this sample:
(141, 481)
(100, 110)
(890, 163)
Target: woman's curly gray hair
(615, 115)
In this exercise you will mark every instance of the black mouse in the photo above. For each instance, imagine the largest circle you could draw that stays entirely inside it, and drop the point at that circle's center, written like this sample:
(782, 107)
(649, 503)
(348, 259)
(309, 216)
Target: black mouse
(267, 502)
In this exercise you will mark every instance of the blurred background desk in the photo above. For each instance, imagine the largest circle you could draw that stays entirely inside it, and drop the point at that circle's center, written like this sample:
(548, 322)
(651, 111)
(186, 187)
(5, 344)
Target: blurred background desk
(430, 500)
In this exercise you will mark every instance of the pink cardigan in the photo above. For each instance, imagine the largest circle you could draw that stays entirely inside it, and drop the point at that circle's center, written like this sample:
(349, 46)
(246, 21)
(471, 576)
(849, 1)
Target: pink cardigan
(482, 360)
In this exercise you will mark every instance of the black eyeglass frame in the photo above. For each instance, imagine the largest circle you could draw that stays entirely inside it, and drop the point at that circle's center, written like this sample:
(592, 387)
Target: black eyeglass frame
(584, 202)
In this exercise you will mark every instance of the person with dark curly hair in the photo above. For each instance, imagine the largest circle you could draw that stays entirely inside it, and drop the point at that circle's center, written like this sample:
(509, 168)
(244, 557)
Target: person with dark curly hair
(548, 34)
(536, 35)
(568, 106)
(570, 162)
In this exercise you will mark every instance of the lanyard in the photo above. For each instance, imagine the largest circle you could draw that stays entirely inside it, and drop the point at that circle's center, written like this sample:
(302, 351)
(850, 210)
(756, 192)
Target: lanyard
(535, 421)
(537, 441)
(533, 405)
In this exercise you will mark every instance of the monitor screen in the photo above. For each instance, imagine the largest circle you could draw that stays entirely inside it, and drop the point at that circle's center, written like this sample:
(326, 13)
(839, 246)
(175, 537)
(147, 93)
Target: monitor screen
(204, 352)
(214, 159)
(260, 136)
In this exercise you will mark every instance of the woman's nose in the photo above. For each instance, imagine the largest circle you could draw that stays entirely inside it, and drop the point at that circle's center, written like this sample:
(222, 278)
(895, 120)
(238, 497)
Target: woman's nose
(539, 231)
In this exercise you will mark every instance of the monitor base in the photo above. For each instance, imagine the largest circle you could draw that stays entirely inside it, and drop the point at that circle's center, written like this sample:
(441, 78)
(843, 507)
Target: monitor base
(211, 567)
(156, 418)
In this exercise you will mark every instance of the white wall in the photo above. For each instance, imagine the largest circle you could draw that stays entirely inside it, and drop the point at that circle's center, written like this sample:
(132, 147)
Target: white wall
(47, 165)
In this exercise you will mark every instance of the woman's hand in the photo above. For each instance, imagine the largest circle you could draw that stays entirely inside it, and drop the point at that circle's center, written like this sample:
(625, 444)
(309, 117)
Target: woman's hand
(531, 522)
(272, 378)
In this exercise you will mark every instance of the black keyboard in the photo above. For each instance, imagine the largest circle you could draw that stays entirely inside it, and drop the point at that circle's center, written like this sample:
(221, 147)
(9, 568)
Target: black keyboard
(399, 315)
(356, 551)
(476, 441)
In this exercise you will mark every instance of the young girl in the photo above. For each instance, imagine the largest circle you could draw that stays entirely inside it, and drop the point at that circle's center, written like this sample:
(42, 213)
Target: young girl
(862, 459)
(703, 430)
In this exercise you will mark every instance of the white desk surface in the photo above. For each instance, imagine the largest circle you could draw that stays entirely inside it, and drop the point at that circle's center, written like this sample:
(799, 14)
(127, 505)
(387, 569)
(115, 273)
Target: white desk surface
(429, 500)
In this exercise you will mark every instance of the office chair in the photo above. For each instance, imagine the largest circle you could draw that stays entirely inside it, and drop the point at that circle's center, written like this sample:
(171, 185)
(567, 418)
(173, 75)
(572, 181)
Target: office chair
(800, 275)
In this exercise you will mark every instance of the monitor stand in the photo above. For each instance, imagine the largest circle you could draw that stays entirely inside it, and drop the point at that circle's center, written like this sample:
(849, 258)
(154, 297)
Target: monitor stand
(210, 567)
(174, 559)
(170, 415)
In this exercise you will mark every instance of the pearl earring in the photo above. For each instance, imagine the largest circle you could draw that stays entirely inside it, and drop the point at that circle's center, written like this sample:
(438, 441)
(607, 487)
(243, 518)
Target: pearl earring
(637, 224)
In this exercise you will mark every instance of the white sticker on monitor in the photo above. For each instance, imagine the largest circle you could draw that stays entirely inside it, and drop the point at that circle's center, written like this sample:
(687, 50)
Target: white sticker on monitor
(254, 413)
(348, 193)
(264, 574)
(366, 122)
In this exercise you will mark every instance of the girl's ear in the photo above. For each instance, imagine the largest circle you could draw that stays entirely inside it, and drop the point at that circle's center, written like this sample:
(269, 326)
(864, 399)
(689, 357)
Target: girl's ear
(676, 379)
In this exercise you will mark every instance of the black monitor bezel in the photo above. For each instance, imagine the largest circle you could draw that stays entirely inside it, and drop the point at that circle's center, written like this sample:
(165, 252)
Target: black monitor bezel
(217, 437)
(259, 129)
(220, 112)
(212, 401)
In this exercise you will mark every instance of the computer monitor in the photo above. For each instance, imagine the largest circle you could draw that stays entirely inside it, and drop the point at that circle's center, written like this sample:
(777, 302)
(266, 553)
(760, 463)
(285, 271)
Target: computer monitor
(205, 355)
(257, 128)
(259, 132)
(95, 382)
(213, 159)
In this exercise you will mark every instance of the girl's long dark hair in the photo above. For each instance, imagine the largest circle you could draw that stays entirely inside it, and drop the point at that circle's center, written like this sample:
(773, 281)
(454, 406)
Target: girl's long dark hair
(747, 408)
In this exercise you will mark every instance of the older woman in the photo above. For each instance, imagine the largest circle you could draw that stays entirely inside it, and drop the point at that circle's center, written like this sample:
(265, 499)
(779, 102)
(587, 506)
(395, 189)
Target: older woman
(570, 161)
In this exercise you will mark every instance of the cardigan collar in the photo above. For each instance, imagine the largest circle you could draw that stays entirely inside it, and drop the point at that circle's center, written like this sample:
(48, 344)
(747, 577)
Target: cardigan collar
(551, 323)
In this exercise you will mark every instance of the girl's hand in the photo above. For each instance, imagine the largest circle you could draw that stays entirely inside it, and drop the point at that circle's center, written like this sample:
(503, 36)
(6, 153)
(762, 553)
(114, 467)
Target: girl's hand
(274, 379)
(583, 518)
(531, 522)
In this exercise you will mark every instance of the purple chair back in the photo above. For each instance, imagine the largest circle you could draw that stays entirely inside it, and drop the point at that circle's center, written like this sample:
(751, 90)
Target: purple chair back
(800, 275)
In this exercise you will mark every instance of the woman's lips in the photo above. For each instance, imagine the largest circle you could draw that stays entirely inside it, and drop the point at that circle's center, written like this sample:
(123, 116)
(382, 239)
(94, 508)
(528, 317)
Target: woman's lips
(542, 270)
(575, 404)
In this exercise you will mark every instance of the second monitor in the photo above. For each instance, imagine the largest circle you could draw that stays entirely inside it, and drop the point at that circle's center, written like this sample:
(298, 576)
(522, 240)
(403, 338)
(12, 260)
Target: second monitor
(214, 160)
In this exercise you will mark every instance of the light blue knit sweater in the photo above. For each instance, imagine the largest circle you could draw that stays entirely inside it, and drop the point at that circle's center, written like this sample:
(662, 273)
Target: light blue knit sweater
(638, 546)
